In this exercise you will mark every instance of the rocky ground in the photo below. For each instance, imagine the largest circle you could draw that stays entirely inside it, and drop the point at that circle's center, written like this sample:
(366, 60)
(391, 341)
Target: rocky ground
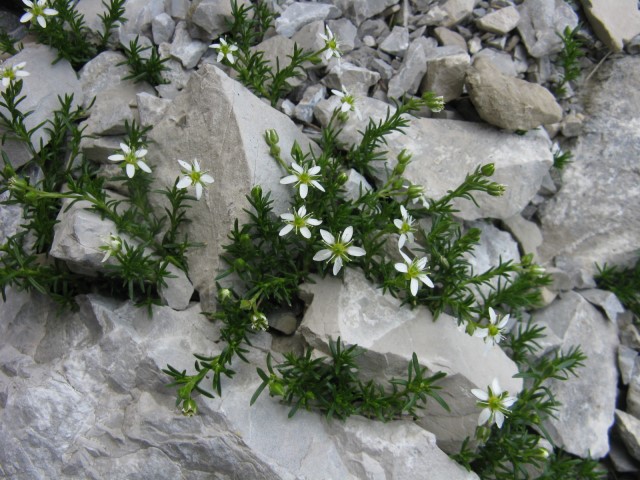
(82, 394)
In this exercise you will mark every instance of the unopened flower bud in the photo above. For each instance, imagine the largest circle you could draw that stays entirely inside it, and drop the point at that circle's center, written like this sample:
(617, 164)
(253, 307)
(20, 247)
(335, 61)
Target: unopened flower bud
(404, 157)
(342, 178)
(259, 321)
(276, 389)
(496, 189)
(239, 264)
(488, 169)
(224, 294)
(256, 191)
(415, 191)
(271, 137)
(245, 240)
(189, 407)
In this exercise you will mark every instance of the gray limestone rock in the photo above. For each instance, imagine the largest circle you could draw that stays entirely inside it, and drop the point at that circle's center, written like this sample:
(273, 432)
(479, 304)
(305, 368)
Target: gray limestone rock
(627, 359)
(185, 49)
(526, 232)
(501, 21)
(346, 33)
(444, 151)
(633, 394)
(212, 16)
(594, 217)
(283, 321)
(540, 23)
(508, 102)
(178, 9)
(606, 300)
(445, 75)
(448, 37)
(588, 400)
(277, 50)
(357, 312)
(355, 186)
(303, 111)
(615, 23)
(356, 80)
(98, 149)
(360, 10)
(151, 108)
(449, 13)
(629, 430)
(299, 14)
(139, 15)
(502, 61)
(397, 42)
(162, 28)
(413, 68)
(222, 124)
(308, 38)
(41, 89)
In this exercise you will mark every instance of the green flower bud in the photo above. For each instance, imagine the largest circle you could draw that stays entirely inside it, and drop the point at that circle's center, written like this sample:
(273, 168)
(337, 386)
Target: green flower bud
(276, 388)
(189, 407)
(342, 178)
(224, 294)
(246, 304)
(415, 191)
(245, 240)
(239, 265)
(488, 169)
(496, 190)
(271, 137)
(256, 191)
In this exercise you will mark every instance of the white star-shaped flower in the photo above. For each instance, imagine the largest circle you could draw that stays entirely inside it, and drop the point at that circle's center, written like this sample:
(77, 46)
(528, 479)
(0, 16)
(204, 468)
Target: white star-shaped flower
(331, 44)
(338, 251)
(113, 245)
(303, 177)
(225, 50)
(492, 334)
(193, 176)
(413, 271)
(494, 402)
(405, 227)
(299, 221)
(259, 322)
(36, 12)
(348, 102)
(9, 74)
(133, 159)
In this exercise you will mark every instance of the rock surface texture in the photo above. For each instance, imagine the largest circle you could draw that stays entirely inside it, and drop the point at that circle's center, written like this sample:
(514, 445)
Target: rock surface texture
(594, 217)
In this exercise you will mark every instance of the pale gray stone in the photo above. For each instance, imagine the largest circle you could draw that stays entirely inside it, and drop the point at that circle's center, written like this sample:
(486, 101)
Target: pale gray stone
(500, 21)
(449, 13)
(413, 68)
(222, 124)
(627, 358)
(369, 41)
(308, 38)
(360, 10)
(178, 9)
(287, 107)
(299, 14)
(526, 232)
(502, 61)
(629, 430)
(284, 321)
(355, 186)
(212, 16)
(162, 28)
(185, 49)
(615, 23)
(508, 102)
(620, 459)
(589, 399)
(356, 311)
(114, 99)
(356, 80)
(633, 394)
(91, 11)
(598, 221)
(151, 108)
(448, 37)
(474, 45)
(303, 111)
(445, 75)
(10, 219)
(444, 151)
(605, 300)
(97, 149)
(540, 23)
(397, 42)
(46, 82)
(572, 125)
(277, 50)
(139, 15)
(346, 33)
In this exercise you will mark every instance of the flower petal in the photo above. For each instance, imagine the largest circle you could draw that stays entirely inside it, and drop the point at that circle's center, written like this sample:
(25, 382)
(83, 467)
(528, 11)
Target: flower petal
(26, 17)
(406, 257)
(304, 189)
(492, 315)
(206, 178)
(116, 157)
(143, 166)
(322, 255)
(286, 229)
(131, 170)
(220, 57)
(495, 387)
(313, 222)
(401, 267)
(297, 167)
(302, 211)
(346, 235)
(507, 402)
(403, 211)
(306, 233)
(287, 216)
(184, 182)
(402, 240)
(185, 165)
(499, 418)
(480, 394)
(481, 332)
(426, 280)
(337, 93)
(198, 190)
(337, 265)
(485, 415)
(327, 237)
(356, 251)
(288, 179)
(413, 286)
(41, 21)
(314, 170)
(398, 223)
(317, 185)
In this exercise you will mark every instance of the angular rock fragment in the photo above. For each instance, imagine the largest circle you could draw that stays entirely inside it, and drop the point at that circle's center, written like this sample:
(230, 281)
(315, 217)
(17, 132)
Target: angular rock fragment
(507, 102)
(41, 89)
(445, 75)
(185, 49)
(540, 23)
(615, 23)
(299, 14)
(162, 28)
(501, 21)
(449, 13)
(222, 124)
(629, 430)
(413, 68)
(444, 151)
(361, 10)
(358, 313)
(595, 218)
(396, 42)
(588, 400)
(356, 80)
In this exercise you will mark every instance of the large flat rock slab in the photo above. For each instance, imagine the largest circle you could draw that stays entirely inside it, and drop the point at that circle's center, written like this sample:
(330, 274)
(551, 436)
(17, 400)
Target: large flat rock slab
(595, 217)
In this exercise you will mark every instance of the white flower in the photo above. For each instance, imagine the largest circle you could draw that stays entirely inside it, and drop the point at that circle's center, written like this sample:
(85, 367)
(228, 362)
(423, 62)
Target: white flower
(37, 11)
(132, 159)
(9, 74)
(495, 404)
(112, 247)
(299, 221)
(259, 321)
(303, 177)
(225, 50)
(413, 271)
(331, 44)
(193, 176)
(338, 251)
(348, 102)
(405, 227)
(493, 333)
